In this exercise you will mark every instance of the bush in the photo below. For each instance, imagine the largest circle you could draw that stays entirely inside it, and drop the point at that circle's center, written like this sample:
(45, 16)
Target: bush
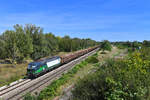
(92, 59)
(103, 52)
(106, 45)
(117, 80)
(121, 46)
(96, 54)
(29, 97)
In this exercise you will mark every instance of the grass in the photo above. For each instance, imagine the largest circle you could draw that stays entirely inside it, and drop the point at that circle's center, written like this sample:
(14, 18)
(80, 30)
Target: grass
(9, 74)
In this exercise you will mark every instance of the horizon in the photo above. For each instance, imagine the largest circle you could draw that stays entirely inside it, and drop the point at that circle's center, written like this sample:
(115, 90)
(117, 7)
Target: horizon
(96, 19)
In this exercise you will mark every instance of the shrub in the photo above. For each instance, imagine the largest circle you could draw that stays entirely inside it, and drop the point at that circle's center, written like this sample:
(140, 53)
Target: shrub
(96, 54)
(29, 97)
(92, 59)
(116, 80)
(103, 52)
(106, 45)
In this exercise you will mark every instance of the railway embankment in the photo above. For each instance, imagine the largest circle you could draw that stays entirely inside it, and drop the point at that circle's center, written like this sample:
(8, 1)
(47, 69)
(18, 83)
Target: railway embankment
(61, 89)
(33, 86)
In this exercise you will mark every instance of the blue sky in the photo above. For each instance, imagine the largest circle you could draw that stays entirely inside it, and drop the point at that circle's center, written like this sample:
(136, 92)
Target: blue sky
(114, 20)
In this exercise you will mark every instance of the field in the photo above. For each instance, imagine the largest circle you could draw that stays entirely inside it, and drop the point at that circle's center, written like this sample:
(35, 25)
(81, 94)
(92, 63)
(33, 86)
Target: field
(8, 73)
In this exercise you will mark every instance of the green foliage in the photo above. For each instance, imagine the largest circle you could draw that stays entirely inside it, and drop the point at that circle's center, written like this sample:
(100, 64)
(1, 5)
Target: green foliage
(52, 43)
(146, 43)
(92, 59)
(2, 48)
(10, 38)
(117, 80)
(39, 44)
(96, 54)
(135, 44)
(30, 42)
(67, 44)
(132, 46)
(52, 89)
(28, 96)
(145, 53)
(120, 46)
(103, 52)
(106, 45)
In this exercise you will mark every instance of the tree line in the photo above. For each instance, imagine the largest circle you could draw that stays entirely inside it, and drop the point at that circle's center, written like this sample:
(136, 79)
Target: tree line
(31, 42)
(133, 45)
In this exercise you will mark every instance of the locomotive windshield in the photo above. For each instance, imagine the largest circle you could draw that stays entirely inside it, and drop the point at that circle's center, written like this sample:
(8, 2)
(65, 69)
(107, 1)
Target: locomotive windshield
(33, 65)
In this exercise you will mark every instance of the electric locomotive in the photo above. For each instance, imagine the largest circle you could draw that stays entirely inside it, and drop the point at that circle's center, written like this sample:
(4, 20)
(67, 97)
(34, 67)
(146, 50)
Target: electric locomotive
(39, 67)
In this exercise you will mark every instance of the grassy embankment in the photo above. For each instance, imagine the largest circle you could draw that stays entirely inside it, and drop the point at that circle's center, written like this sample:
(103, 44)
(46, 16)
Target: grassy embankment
(8, 73)
(123, 79)
(78, 72)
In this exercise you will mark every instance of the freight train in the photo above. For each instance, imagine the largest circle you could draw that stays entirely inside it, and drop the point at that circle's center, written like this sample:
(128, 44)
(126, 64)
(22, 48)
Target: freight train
(39, 67)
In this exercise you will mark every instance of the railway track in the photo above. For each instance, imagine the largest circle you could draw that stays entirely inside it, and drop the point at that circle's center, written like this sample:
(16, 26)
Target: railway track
(17, 91)
(14, 86)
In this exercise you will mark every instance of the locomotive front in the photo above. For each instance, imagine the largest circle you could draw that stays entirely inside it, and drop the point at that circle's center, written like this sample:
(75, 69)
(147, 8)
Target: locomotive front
(32, 68)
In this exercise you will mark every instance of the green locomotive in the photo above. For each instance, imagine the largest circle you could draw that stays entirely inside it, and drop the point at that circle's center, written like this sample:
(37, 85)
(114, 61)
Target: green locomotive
(36, 68)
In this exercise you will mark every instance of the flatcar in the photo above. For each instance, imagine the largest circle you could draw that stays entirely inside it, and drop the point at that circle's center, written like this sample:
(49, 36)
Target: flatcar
(39, 67)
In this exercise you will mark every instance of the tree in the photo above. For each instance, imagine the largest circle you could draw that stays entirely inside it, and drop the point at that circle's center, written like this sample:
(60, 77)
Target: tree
(146, 43)
(39, 43)
(52, 43)
(24, 41)
(106, 45)
(29, 41)
(3, 51)
(10, 38)
(65, 44)
(135, 45)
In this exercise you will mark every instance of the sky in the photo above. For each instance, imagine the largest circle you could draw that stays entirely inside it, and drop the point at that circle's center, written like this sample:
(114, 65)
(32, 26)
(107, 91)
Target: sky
(113, 20)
